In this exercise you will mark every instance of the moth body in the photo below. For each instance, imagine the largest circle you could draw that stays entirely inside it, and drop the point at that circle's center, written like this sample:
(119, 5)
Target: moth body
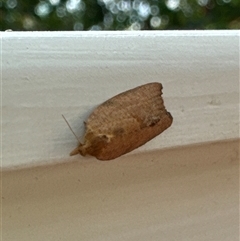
(125, 122)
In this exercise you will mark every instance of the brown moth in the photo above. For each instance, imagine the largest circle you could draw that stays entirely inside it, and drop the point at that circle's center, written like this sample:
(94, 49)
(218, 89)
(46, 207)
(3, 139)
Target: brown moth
(125, 122)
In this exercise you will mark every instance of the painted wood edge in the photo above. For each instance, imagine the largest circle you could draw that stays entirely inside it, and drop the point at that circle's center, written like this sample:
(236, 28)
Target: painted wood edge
(190, 103)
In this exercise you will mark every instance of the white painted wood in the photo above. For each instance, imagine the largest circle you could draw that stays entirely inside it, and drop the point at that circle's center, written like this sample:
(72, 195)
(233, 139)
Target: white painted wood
(185, 194)
(46, 74)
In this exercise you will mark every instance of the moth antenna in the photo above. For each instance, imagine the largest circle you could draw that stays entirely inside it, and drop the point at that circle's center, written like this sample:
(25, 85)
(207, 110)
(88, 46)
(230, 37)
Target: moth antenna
(71, 129)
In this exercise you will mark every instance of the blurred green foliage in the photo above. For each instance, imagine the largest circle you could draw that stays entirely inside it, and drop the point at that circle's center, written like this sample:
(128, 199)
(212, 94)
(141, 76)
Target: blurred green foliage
(29, 15)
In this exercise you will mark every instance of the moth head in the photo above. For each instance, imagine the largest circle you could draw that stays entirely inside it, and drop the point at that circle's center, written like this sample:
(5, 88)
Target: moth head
(78, 150)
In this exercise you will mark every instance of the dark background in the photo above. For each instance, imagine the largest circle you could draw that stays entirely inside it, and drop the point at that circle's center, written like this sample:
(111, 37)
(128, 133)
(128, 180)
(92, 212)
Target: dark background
(29, 15)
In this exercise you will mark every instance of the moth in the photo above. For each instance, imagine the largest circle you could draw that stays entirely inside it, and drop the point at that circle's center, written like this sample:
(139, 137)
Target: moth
(125, 122)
